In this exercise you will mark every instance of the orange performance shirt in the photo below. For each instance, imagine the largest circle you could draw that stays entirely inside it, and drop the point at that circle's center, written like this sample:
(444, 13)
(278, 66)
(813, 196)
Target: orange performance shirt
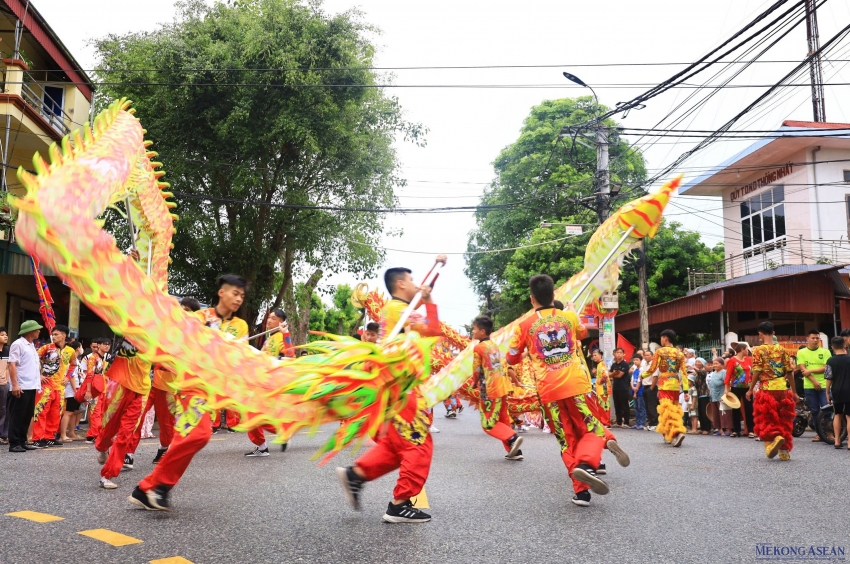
(162, 378)
(55, 364)
(770, 364)
(129, 370)
(235, 327)
(672, 369)
(552, 338)
(428, 326)
(488, 370)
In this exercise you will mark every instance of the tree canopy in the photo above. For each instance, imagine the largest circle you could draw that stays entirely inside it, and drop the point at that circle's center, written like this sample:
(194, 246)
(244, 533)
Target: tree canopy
(236, 99)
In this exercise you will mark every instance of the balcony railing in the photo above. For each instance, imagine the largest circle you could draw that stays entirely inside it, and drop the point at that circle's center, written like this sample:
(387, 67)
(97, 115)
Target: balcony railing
(35, 96)
(779, 252)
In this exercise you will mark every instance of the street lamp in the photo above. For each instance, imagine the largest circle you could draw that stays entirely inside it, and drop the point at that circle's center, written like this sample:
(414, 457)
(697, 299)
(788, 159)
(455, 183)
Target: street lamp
(580, 82)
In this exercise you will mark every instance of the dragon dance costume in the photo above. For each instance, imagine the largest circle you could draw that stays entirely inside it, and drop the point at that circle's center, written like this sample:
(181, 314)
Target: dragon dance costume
(193, 422)
(126, 393)
(161, 400)
(404, 442)
(49, 402)
(552, 338)
(603, 393)
(95, 367)
(494, 385)
(774, 407)
(278, 345)
(672, 377)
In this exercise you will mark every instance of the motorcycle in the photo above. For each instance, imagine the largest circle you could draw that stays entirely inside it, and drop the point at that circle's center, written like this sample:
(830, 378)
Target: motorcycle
(801, 418)
(825, 429)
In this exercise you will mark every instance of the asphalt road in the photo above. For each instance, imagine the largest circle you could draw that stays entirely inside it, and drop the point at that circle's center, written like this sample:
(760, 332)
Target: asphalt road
(712, 500)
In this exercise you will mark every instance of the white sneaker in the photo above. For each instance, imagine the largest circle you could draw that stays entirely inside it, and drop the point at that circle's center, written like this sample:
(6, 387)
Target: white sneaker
(107, 484)
(546, 430)
(433, 429)
(258, 452)
(102, 456)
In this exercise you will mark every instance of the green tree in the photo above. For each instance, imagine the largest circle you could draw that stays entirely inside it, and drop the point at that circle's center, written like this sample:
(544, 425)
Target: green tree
(342, 318)
(539, 176)
(235, 98)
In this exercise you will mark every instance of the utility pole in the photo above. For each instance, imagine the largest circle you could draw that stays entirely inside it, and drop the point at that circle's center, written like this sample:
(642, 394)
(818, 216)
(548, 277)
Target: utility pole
(643, 298)
(815, 68)
(603, 177)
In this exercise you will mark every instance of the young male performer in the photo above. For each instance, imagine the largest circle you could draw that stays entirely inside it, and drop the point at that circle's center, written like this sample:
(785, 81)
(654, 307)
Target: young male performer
(193, 424)
(672, 379)
(57, 359)
(95, 367)
(552, 338)
(493, 384)
(126, 392)
(278, 345)
(405, 442)
(774, 408)
(370, 335)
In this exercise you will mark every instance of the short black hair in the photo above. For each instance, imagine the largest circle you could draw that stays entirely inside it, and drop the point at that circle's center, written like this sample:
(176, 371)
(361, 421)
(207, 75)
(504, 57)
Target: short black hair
(844, 332)
(232, 280)
(542, 288)
(3, 329)
(101, 341)
(62, 328)
(595, 351)
(394, 274)
(765, 328)
(670, 334)
(191, 303)
(838, 343)
(483, 322)
(814, 332)
(558, 304)
(279, 313)
(372, 326)
(75, 344)
(620, 349)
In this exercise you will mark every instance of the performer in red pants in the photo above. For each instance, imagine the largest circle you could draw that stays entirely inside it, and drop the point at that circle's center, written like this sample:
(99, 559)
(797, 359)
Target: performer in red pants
(94, 384)
(405, 442)
(493, 385)
(193, 423)
(57, 361)
(161, 400)
(552, 338)
(126, 392)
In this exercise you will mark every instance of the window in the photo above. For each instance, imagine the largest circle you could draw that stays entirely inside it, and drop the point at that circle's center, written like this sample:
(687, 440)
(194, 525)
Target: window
(847, 176)
(763, 217)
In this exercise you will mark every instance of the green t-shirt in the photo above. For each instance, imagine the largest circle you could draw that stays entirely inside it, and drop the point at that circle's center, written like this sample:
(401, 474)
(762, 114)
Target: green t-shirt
(811, 359)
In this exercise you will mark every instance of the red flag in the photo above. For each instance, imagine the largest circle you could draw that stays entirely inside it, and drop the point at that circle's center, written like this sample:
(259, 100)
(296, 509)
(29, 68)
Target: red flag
(628, 348)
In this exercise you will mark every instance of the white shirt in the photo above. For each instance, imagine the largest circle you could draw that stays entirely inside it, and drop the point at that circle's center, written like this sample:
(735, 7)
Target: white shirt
(647, 378)
(23, 355)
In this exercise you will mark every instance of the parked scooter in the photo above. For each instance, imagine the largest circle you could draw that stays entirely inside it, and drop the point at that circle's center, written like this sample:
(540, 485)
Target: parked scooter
(801, 419)
(825, 430)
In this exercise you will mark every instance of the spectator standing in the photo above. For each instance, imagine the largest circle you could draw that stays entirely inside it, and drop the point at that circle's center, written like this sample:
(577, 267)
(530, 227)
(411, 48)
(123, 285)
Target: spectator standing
(811, 363)
(637, 392)
(703, 396)
(717, 386)
(837, 376)
(620, 374)
(4, 386)
(25, 376)
(68, 420)
(650, 394)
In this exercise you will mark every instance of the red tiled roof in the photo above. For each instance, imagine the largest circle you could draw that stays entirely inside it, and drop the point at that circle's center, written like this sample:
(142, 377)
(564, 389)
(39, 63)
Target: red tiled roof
(815, 124)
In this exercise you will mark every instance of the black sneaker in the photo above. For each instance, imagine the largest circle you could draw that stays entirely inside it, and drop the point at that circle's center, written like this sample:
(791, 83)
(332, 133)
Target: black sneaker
(405, 513)
(215, 430)
(601, 471)
(587, 475)
(128, 462)
(517, 456)
(283, 447)
(89, 440)
(160, 452)
(140, 499)
(582, 499)
(450, 414)
(352, 485)
(40, 444)
(158, 498)
(258, 452)
(51, 444)
(513, 444)
(460, 408)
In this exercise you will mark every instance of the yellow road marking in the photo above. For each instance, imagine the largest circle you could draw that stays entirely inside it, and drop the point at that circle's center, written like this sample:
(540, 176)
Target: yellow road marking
(35, 516)
(110, 537)
(421, 501)
(171, 560)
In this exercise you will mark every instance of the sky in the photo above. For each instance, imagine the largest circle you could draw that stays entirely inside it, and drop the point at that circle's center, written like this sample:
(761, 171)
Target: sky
(468, 127)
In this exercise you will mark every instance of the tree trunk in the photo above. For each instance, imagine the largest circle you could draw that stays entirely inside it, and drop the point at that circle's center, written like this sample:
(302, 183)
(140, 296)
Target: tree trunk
(298, 304)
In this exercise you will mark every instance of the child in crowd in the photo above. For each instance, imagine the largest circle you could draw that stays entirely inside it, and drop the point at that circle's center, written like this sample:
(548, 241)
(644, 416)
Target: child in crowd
(717, 386)
(637, 392)
(694, 402)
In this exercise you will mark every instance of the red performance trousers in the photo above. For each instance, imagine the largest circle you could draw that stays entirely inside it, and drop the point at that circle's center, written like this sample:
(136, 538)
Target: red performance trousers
(121, 417)
(579, 433)
(194, 429)
(95, 418)
(495, 420)
(774, 412)
(158, 400)
(231, 418)
(597, 412)
(48, 407)
(391, 452)
(258, 435)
